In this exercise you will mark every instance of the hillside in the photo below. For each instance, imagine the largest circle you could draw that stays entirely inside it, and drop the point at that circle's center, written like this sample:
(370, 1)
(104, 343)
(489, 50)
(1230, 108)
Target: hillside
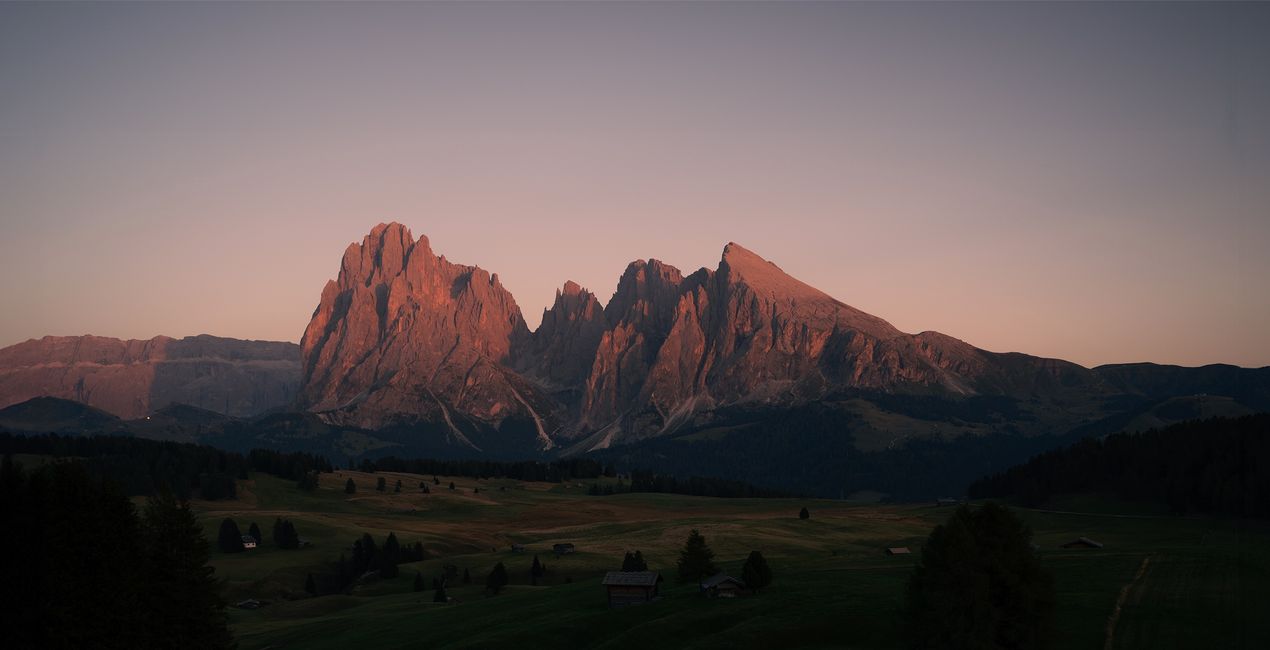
(833, 585)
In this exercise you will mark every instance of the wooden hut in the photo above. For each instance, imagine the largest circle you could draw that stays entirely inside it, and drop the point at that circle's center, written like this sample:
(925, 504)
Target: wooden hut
(562, 549)
(627, 588)
(723, 585)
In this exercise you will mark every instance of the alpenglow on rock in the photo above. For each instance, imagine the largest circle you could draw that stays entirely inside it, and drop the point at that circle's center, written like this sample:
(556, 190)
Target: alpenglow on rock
(404, 336)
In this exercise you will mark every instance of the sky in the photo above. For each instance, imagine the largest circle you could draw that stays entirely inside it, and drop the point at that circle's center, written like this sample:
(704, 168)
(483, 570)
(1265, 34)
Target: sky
(1073, 180)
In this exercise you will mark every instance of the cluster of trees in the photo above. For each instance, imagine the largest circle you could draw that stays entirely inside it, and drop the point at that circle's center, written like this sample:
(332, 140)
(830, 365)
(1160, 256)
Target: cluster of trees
(633, 562)
(93, 572)
(980, 585)
(229, 538)
(1208, 466)
(696, 562)
(143, 467)
(367, 556)
(284, 534)
(554, 471)
(644, 481)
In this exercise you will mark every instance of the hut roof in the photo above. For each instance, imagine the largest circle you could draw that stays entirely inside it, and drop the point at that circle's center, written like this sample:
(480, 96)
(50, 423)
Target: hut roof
(1083, 541)
(631, 578)
(718, 579)
(898, 550)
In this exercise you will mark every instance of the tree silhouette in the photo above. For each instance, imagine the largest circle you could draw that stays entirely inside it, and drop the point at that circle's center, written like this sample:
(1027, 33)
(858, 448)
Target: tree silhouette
(696, 560)
(183, 603)
(634, 562)
(536, 571)
(979, 585)
(803, 514)
(310, 586)
(230, 539)
(350, 487)
(418, 581)
(497, 578)
(381, 484)
(756, 574)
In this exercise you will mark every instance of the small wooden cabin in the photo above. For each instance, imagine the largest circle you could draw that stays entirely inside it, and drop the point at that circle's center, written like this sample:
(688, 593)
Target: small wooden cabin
(627, 588)
(249, 542)
(723, 586)
(562, 549)
(898, 550)
(518, 548)
(1082, 542)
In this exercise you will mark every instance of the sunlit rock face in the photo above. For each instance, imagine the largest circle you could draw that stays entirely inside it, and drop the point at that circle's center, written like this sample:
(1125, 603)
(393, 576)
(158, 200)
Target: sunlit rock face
(403, 334)
(132, 378)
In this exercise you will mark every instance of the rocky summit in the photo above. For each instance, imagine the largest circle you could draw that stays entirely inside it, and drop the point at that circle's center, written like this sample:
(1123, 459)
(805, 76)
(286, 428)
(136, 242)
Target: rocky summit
(404, 336)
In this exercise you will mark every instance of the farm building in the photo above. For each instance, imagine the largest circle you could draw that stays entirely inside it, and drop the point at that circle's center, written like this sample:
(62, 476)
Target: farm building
(631, 587)
(249, 542)
(518, 548)
(562, 549)
(1082, 542)
(723, 585)
(898, 550)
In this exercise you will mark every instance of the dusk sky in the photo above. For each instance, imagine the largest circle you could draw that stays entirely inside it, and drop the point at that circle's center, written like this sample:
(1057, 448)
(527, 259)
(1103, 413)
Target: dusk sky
(1075, 180)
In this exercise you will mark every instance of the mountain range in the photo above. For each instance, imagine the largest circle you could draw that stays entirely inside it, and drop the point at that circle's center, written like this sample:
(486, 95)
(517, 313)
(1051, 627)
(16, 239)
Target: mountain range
(408, 352)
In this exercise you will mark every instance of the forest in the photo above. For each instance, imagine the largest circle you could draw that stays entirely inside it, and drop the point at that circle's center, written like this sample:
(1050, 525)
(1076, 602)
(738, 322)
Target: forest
(1214, 466)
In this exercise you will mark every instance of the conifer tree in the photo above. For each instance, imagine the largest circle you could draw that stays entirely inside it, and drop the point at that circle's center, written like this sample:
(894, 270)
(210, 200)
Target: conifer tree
(230, 539)
(388, 557)
(467, 577)
(381, 484)
(310, 586)
(350, 487)
(254, 531)
(980, 585)
(439, 595)
(803, 514)
(182, 598)
(696, 560)
(536, 571)
(418, 581)
(756, 574)
(497, 578)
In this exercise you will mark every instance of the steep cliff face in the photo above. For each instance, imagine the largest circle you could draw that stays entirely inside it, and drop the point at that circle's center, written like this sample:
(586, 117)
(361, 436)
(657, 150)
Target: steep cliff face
(403, 335)
(132, 378)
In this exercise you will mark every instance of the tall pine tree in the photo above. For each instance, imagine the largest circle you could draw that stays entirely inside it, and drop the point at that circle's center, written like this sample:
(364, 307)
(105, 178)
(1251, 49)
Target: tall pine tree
(696, 560)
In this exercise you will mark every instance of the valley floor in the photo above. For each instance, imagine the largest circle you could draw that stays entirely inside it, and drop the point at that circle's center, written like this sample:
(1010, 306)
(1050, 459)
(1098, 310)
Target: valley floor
(1206, 582)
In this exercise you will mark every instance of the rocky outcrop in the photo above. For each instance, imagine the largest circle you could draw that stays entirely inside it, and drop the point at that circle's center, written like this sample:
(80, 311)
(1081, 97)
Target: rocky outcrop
(404, 335)
(132, 378)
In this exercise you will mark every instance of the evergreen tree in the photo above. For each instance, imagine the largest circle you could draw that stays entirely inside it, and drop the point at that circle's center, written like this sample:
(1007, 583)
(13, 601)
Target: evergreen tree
(418, 581)
(451, 485)
(467, 577)
(389, 556)
(343, 572)
(230, 539)
(308, 481)
(803, 514)
(277, 531)
(436, 481)
(696, 560)
(640, 563)
(310, 586)
(979, 585)
(439, 595)
(290, 539)
(381, 484)
(536, 571)
(755, 573)
(350, 487)
(181, 597)
(254, 531)
(398, 488)
(634, 562)
(497, 578)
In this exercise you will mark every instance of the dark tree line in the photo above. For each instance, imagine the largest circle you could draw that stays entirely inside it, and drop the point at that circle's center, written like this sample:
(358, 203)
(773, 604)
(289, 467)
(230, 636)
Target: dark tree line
(142, 467)
(1214, 466)
(644, 481)
(368, 556)
(93, 572)
(554, 471)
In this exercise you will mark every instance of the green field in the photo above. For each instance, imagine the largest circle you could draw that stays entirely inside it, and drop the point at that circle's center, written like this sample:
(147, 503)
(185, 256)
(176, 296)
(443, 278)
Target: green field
(1203, 586)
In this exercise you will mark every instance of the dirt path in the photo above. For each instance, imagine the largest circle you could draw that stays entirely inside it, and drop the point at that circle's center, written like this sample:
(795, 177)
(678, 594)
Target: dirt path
(1124, 595)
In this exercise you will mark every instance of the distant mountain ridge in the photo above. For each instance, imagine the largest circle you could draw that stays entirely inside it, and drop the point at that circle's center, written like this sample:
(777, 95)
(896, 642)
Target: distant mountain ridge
(132, 378)
(404, 337)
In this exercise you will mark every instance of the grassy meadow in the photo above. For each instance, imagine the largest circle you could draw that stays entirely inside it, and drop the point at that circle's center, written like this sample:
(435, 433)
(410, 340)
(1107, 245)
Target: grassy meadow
(1202, 584)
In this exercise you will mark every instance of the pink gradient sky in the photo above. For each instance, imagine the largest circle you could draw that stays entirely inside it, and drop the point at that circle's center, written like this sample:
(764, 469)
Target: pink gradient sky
(1089, 182)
